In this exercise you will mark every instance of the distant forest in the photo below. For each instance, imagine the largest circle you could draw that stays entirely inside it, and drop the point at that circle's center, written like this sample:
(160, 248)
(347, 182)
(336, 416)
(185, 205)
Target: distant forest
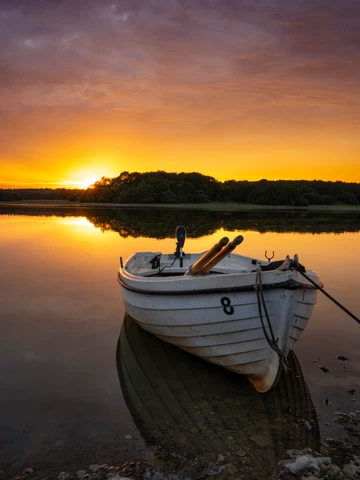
(162, 187)
(18, 194)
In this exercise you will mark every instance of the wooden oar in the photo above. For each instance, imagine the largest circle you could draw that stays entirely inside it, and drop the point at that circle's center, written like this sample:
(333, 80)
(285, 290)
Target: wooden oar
(196, 268)
(222, 254)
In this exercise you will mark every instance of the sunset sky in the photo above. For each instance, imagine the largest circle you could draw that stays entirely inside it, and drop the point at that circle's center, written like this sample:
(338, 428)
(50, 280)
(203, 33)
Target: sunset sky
(235, 89)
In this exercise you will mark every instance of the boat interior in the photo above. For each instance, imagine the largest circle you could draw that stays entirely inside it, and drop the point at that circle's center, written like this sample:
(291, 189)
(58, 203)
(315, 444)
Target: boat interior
(155, 264)
(219, 259)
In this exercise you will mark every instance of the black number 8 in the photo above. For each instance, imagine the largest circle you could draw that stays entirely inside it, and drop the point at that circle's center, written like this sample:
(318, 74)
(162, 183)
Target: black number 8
(228, 308)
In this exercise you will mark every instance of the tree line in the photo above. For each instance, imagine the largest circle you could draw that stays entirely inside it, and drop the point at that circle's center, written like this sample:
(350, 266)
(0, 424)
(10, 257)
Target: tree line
(17, 194)
(164, 188)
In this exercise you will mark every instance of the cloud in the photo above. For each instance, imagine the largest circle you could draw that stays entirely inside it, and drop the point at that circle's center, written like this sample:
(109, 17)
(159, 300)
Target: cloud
(177, 67)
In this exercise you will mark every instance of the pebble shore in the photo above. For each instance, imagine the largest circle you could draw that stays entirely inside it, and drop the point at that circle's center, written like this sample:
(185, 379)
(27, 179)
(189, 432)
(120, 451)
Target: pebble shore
(339, 459)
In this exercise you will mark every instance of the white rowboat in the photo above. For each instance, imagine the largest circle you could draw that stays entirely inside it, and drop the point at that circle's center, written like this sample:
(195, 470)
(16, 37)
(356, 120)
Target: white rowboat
(241, 313)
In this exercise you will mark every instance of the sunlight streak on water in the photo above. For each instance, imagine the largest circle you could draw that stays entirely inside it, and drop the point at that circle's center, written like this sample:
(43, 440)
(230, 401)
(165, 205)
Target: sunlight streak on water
(79, 222)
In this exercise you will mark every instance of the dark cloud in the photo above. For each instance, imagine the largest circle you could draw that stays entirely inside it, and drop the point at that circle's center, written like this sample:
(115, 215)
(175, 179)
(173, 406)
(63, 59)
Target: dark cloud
(69, 41)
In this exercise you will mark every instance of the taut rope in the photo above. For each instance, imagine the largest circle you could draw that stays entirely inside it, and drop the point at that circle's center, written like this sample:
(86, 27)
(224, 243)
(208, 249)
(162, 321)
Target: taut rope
(327, 295)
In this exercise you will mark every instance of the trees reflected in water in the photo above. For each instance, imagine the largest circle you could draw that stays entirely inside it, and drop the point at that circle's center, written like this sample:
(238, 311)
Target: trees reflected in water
(162, 223)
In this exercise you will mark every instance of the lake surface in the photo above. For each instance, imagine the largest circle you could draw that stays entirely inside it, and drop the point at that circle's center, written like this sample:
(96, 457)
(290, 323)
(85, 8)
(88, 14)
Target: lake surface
(61, 316)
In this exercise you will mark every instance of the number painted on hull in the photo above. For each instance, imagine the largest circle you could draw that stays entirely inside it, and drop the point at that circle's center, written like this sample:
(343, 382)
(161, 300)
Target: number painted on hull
(228, 308)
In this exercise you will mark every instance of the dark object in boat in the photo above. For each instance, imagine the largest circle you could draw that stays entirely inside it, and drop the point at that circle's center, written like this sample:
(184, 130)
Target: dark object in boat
(180, 234)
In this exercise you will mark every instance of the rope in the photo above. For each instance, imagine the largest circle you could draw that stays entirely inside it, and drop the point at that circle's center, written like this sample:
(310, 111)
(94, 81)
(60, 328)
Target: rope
(261, 304)
(327, 295)
(166, 266)
(273, 344)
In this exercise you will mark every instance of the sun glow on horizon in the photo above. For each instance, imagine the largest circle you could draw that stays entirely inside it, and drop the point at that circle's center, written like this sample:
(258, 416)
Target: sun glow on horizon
(70, 184)
(85, 183)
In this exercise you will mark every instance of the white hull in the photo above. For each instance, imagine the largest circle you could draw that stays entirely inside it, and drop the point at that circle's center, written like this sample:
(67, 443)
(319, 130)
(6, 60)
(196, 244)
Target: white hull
(216, 317)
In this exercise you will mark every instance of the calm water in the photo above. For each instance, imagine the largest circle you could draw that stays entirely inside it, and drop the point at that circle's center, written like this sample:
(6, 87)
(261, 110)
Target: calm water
(61, 315)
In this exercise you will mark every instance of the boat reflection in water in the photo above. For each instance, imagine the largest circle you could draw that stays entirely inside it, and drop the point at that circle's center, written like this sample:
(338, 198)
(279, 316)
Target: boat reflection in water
(192, 408)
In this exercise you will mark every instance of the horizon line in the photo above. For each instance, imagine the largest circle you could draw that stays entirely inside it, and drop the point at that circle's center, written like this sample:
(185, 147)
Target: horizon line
(76, 185)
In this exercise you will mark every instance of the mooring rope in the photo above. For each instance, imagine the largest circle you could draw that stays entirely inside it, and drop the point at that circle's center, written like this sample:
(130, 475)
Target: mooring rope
(270, 339)
(327, 294)
(261, 304)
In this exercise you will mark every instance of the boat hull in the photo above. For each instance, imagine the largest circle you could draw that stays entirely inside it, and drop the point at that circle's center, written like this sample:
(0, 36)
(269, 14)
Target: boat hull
(219, 320)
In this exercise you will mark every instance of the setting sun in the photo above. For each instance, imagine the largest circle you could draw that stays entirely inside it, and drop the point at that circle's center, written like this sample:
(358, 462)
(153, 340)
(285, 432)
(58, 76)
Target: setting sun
(86, 183)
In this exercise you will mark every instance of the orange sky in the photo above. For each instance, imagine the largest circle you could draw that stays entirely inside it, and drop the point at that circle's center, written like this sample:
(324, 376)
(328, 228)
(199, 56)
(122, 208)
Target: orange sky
(235, 89)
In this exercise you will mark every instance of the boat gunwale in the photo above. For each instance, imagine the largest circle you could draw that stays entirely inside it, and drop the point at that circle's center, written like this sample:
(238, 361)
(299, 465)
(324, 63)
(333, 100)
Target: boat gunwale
(289, 284)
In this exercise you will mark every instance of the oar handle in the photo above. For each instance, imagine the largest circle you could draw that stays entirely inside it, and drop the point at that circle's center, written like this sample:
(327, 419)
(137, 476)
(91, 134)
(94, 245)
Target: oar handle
(222, 254)
(196, 268)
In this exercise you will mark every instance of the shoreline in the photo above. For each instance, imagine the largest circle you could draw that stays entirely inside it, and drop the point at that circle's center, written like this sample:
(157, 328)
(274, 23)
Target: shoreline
(213, 206)
(337, 459)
